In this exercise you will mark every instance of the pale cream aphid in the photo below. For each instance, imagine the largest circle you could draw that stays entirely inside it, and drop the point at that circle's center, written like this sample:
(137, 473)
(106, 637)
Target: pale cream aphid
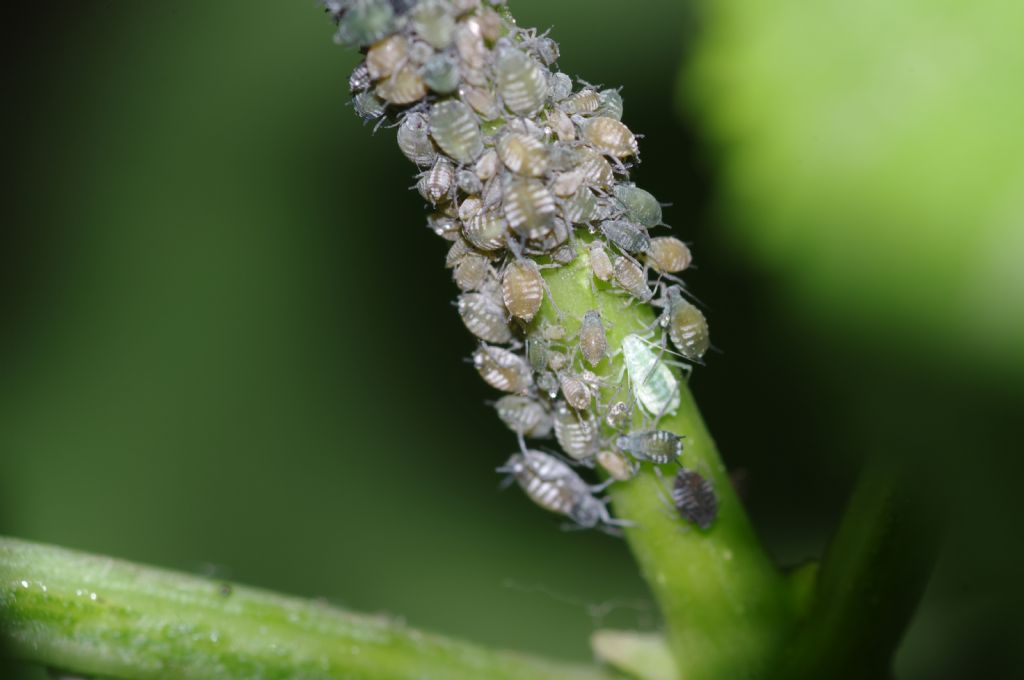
(529, 206)
(619, 415)
(583, 206)
(668, 255)
(471, 272)
(559, 86)
(600, 263)
(583, 102)
(488, 165)
(420, 52)
(631, 278)
(686, 326)
(557, 361)
(567, 183)
(651, 381)
(694, 498)
(525, 416)
(611, 104)
(576, 392)
(404, 86)
(441, 73)
(578, 435)
(597, 171)
(616, 465)
(445, 226)
(486, 230)
(592, 338)
(484, 317)
(552, 332)
(469, 183)
(433, 21)
(638, 205)
(384, 56)
(436, 183)
(522, 154)
(459, 249)
(627, 235)
(562, 125)
(654, 446)
(610, 137)
(522, 81)
(503, 369)
(360, 78)
(414, 139)
(454, 128)
(469, 43)
(481, 100)
(522, 289)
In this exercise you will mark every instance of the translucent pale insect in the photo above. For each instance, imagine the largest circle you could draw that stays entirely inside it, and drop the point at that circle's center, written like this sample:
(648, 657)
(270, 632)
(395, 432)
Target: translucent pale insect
(616, 465)
(575, 390)
(537, 353)
(404, 86)
(546, 50)
(567, 183)
(627, 235)
(655, 446)
(611, 104)
(559, 86)
(454, 128)
(486, 230)
(694, 498)
(576, 433)
(469, 43)
(581, 207)
(385, 55)
(668, 255)
(441, 74)
(556, 487)
(631, 278)
(522, 289)
(471, 272)
(503, 369)
(522, 154)
(638, 205)
(488, 165)
(484, 317)
(654, 386)
(481, 100)
(365, 22)
(597, 171)
(583, 102)
(435, 184)
(610, 137)
(524, 415)
(433, 21)
(414, 139)
(562, 125)
(593, 342)
(686, 326)
(522, 81)
(360, 79)
(369, 106)
(600, 263)
(529, 206)
(618, 416)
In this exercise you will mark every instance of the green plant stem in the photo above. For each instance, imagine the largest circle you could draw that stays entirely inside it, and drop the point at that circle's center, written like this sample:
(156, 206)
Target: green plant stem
(105, 617)
(725, 604)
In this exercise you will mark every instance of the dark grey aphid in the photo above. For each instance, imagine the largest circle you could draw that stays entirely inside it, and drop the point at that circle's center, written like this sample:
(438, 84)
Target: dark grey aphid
(556, 487)
(627, 235)
(655, 446)
(694, 498)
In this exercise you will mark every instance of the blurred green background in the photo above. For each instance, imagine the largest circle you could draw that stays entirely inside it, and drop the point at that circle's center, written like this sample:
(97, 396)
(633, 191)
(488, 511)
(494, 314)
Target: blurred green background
(216, 359)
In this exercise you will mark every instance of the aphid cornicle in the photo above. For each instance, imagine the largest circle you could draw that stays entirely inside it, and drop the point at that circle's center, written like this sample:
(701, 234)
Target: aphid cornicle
(522, 154)
(653, 385)
(435, 184)
(576, 392)
(524, 415)
(694, 498)
(529, 206)
(668, 255)
(630, 277)
(414, 139)
(630, 237)
(577, 433)
(522, 81)
(503, 369)
(655, 446)
(593, 342)
(638, 205)
(454, 128)
(522, 289)
(484, 317)
(556, 487)
(600, 263)
(610, 137)
(385, 55)
(686, 325)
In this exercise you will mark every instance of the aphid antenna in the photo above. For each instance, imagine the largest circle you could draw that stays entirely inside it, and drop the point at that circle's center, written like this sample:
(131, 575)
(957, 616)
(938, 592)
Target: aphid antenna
(522, 442)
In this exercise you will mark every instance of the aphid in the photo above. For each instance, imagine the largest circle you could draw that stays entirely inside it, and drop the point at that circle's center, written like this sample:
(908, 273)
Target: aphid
(562, 125)
(616, 465)
(468, 182)
(563, 254)
(486, 230)
(493, 193)
(525, 416)
(668, 255)
(454, 128)
(502, 369)
(600, 263)
(445, 227)
(484, 317)
(458, 250)
(655, 446)
(559, 86)
(438, 181)
(488, 165)
(629, 236)
(638, 205)
(537, 353)
(597, 171)
(522, 154)
(481, 100)
(686, 326)
(575, 390)
(631, 278)
(471, 272)
(557, 236)
(433, 21)
(546, 50)
(368, 106)
(522, 289)
(652, 382)
(529, 206)
(694, 498)
(583, 102)
(548, 383)
(405, 86)
(610, 137)
(420, 52)
(583, 206)
(469, 43)
(618, 415)
(577, 435)
(556, 487)
(414, 139)
(385, 55)
(363, 23)
(522, 82)
(441, 74)
(360, 79)
(552, 331)
(557, 361)
(490, 23)
(611, 104)
(566, 183)
(593, 342)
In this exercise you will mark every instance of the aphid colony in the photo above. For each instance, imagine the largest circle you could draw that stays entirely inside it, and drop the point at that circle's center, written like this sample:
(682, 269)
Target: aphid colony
(522, 168)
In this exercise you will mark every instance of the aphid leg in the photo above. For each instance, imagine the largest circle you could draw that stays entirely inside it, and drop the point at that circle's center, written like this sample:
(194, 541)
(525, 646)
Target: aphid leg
(522, 442)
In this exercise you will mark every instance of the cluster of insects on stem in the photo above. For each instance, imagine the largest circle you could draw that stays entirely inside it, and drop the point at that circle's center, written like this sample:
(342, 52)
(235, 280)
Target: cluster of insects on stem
(526, 169)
